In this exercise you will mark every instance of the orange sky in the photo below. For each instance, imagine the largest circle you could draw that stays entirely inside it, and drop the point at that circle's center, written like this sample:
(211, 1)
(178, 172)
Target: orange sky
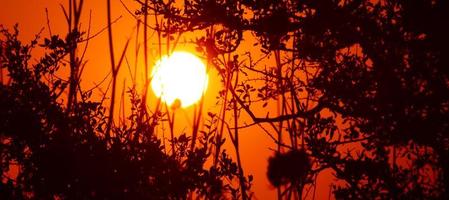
(30, 14)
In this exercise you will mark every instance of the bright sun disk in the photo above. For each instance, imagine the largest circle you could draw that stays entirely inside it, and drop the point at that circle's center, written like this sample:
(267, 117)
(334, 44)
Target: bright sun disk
(181, 76)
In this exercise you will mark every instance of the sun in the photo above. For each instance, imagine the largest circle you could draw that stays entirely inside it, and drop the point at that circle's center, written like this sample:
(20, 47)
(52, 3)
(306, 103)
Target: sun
(179, 78)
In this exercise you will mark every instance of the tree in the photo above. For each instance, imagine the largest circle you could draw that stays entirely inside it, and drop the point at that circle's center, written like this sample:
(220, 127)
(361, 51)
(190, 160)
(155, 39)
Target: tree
(361, 75)
(361, 89)
(73, 151)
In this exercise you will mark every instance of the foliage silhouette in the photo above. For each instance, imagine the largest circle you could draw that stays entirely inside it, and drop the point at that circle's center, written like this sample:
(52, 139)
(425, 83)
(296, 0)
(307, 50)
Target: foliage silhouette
(290, 167)
(362, 87)
(362, 90)
(61, 153)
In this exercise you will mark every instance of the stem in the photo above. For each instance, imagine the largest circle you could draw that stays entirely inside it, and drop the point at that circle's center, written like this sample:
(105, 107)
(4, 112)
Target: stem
(196, 123)
(114, 73)
(171, 123)
(237, 152)
(279, 110)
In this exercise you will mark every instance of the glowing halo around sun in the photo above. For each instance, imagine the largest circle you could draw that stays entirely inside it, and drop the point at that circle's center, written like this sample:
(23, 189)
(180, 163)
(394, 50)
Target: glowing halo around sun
(181, 76)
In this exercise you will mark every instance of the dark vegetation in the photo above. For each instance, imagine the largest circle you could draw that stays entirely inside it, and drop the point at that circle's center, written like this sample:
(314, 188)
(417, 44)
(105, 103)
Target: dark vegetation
(362, 89)
(67, 154)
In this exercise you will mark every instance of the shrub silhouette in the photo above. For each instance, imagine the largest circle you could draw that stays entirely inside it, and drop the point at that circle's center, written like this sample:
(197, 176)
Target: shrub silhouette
(65, 154)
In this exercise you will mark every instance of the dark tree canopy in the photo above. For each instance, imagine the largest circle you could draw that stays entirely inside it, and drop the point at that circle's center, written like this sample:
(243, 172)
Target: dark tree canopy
(363, 87)
(377, 77)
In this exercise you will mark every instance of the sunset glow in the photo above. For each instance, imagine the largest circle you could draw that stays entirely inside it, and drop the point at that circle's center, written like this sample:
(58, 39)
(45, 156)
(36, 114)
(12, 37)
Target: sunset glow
(244, 100)
(181, 76)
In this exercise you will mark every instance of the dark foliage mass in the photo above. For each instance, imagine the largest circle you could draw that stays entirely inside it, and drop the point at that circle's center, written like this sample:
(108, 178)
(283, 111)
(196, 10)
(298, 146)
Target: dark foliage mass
(290, 167)
(362, 88)
(61, 154)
